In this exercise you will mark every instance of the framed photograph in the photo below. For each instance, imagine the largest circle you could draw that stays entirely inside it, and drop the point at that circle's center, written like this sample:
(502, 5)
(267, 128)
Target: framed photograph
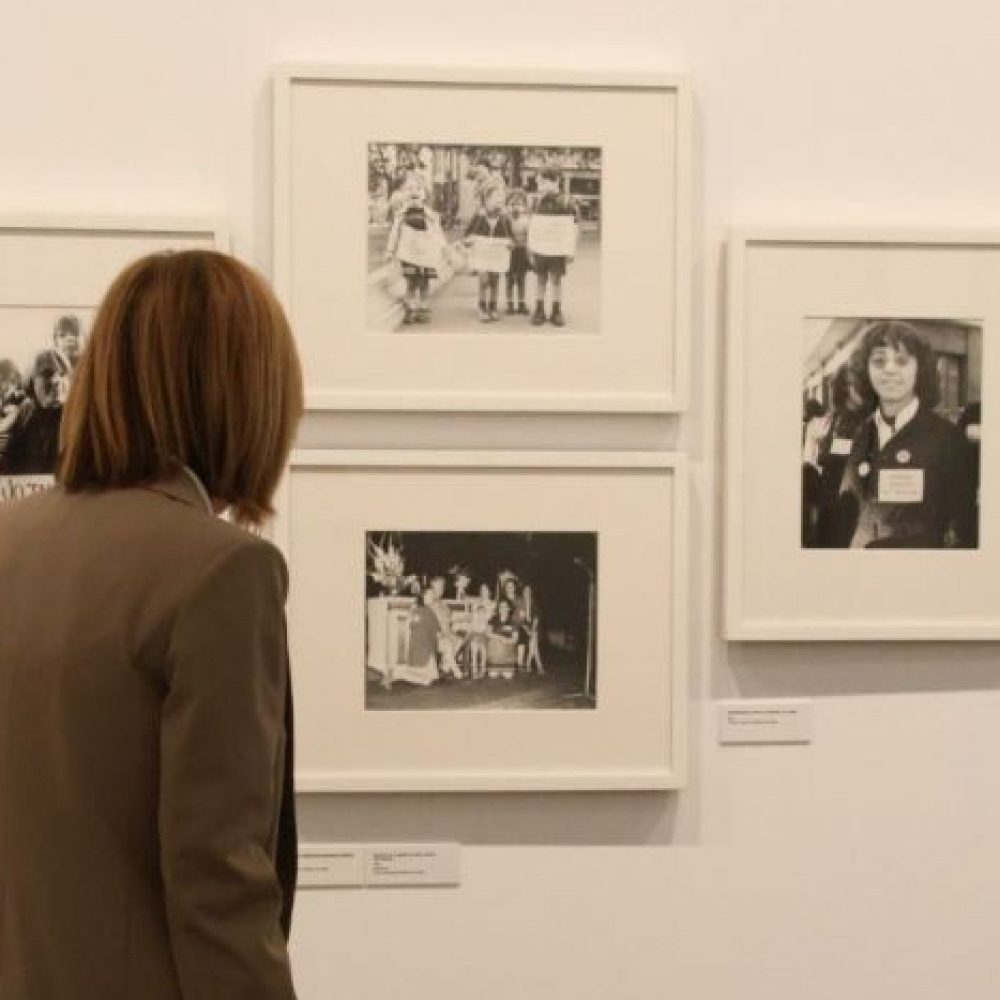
(473, 621)
(53, 273)
(515, 241)
(860, 489)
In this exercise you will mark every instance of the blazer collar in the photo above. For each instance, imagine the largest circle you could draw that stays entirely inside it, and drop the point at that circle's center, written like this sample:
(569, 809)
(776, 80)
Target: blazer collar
(912, 427)
(184, 487)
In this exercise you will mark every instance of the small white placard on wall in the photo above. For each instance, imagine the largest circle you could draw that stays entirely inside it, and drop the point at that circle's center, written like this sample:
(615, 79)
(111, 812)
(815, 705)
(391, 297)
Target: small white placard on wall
(758, 721)
(412, 864)
(331, 866)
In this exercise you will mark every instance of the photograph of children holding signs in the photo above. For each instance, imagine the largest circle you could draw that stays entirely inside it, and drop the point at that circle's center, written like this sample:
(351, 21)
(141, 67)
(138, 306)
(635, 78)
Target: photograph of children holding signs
(39, 351)
(508, 237)
(480, 620)
(890, 435)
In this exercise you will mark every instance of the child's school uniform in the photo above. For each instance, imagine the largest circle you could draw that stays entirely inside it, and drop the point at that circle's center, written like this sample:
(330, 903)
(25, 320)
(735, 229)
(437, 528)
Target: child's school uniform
(498, 227)
(913, 490)
(519, 263)
(419, 218)
(552, 204)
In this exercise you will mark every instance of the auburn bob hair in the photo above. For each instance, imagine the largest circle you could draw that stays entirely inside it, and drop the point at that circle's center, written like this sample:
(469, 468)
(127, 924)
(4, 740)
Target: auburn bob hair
(190, 362)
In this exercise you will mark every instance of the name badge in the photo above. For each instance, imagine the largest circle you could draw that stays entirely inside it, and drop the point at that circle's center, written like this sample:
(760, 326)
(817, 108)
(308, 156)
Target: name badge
(840, 446)
(901, 486)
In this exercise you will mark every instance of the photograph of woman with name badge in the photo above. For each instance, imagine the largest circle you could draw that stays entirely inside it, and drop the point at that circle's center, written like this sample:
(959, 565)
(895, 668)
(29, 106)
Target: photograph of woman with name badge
(890, 433)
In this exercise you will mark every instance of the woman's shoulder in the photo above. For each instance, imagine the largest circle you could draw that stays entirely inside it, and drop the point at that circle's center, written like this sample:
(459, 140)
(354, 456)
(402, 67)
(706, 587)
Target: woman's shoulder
(931, 423)
(149, 531)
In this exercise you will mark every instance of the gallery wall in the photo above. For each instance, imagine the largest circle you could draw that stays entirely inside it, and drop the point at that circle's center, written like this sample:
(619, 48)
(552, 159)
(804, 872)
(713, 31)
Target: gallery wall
(861, 865)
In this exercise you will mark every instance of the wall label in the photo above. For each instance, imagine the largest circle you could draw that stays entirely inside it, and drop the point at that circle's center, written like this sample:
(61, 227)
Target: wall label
(758, 721)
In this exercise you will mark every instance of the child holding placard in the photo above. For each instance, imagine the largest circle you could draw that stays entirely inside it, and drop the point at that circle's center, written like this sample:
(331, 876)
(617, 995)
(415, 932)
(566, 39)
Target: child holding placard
(493, 231)
(417, 241)
(517, 209)
(551, 244)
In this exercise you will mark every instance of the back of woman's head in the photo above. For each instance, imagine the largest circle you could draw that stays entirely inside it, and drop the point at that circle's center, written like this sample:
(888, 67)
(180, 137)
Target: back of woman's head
(191, 361)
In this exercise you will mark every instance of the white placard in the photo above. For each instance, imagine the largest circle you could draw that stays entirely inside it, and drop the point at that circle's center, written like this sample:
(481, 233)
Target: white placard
(489, 253)
(423, 248)
(901, 485)
(331, 866)
(552, 235)
(413, 864)
(784, 721)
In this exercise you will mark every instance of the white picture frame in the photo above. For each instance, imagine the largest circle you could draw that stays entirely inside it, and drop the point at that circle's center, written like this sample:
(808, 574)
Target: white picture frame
(56, 267)
(786, 288)
(635, 357)
(633, 735)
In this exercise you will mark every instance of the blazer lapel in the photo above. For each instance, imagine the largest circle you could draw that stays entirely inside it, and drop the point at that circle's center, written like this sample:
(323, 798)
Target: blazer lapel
(905, 433)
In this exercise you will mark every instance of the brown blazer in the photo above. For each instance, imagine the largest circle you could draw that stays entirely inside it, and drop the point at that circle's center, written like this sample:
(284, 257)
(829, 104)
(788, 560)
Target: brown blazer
(147, 837)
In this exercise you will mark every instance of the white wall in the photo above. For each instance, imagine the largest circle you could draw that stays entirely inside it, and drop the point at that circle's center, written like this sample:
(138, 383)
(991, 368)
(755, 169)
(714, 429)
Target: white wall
(862, 866)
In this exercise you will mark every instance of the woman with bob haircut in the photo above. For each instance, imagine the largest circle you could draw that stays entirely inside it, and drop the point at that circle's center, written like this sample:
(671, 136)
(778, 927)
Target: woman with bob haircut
(908, 481)
(147, 828)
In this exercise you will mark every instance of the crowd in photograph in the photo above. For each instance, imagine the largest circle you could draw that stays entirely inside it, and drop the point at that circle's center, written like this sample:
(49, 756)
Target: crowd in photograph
(31, 402)
(881, 467)
(472, 632)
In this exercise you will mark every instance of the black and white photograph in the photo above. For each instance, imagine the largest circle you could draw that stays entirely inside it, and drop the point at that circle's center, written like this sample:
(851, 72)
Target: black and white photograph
(891, 416)
(39, 351)
(483, 239)
(480, 620)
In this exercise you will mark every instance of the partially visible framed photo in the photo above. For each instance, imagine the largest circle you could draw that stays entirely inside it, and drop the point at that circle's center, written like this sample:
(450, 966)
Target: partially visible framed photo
(459, 240)
(53, 272)
(860, 490)
(472, 621)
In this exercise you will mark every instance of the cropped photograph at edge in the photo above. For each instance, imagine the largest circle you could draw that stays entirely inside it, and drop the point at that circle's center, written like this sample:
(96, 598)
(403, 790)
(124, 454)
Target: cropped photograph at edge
(39, 352)
(891, 416)
(483, 620)
(146, 736)
(483, 239)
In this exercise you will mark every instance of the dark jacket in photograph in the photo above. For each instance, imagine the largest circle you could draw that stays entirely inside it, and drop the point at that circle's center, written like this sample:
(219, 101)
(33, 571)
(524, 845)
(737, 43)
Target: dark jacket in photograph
(554, 204)
(945, 514)
(481, 225)
(32, 444)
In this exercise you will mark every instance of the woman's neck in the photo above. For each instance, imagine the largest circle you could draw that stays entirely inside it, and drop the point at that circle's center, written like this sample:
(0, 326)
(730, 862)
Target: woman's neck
(894, 409)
